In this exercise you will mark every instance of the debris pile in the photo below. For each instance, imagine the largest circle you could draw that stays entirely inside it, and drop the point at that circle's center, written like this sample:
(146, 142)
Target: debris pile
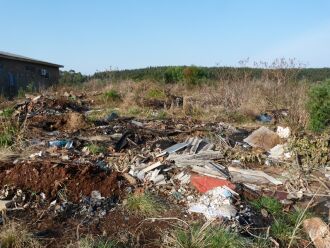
(74, 168)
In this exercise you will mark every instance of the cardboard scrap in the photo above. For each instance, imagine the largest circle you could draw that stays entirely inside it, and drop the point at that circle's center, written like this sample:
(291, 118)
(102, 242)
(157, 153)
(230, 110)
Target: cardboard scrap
(318, 231)
(263, 138)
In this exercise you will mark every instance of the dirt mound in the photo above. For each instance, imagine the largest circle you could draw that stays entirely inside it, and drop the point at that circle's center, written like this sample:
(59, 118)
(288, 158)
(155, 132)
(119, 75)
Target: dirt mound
(74, 121)
(69, 122)
(74, 180)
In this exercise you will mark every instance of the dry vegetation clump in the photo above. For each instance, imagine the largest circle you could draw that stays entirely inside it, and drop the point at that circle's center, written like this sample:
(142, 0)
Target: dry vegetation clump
(90, 241)
(14, 235)
(204, 236)
(143, 204)
(11, 130)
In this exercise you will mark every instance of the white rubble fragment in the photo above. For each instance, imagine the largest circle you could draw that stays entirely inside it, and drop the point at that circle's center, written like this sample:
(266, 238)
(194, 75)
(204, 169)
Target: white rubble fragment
(151, 167)
(214, 203)
(283, 132)
(96, 195)
(183, 178)
(43, 195)
(140, 175)
(53, 203)
(37, 154)
(278, 152)
(65, 157)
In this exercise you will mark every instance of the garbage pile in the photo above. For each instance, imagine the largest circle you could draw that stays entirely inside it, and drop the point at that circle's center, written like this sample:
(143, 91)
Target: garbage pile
(76, 167)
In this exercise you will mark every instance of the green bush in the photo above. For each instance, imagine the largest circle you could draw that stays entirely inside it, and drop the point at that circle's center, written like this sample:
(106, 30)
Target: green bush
(173, 75)
(72, 78)
(7, 133)
(193, 75)
(112, 95)
(319, 106)
(7, 112)
(156, 94)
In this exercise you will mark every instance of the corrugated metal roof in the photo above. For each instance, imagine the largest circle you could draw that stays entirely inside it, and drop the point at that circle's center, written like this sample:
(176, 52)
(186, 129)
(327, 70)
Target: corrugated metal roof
(26, 59)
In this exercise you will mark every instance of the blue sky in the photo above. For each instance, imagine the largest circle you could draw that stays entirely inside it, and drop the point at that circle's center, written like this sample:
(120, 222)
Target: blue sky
(95, 35)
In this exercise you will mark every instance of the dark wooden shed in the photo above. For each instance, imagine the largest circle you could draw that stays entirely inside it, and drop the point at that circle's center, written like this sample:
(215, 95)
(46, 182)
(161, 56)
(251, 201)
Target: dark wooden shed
(19, 73)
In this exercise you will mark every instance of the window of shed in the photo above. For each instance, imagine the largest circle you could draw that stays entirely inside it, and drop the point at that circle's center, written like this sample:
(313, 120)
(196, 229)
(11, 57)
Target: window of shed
(44, 73)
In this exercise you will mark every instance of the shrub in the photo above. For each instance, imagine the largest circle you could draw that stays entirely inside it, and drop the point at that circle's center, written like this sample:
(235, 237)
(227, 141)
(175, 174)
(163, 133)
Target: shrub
(173, 75)
(71, 78)
(143, 204)
(112, 95)
(313, 152)
(270, 204)
(7, 112)
(319, 106)
(193, 74)
(156, 94)
(95, 149)
(7, 133)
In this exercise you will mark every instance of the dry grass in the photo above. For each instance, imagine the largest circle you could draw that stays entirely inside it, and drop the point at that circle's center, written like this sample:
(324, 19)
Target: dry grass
(205, 236)
(233, 100)
(143, 204)
(93, 242)
(7, 154)
(225, 100)
(14, 235)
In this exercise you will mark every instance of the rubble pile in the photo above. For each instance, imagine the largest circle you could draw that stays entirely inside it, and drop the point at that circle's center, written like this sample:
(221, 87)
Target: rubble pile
(72, 167)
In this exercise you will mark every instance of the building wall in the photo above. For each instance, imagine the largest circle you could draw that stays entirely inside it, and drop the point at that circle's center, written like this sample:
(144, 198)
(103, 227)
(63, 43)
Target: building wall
(19, 75)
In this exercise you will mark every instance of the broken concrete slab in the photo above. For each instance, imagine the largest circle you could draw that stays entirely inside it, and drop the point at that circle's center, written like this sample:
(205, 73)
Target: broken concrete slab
(207, 172)
(263, 138)
(201, 158)
(174, 148)
(251, 176)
